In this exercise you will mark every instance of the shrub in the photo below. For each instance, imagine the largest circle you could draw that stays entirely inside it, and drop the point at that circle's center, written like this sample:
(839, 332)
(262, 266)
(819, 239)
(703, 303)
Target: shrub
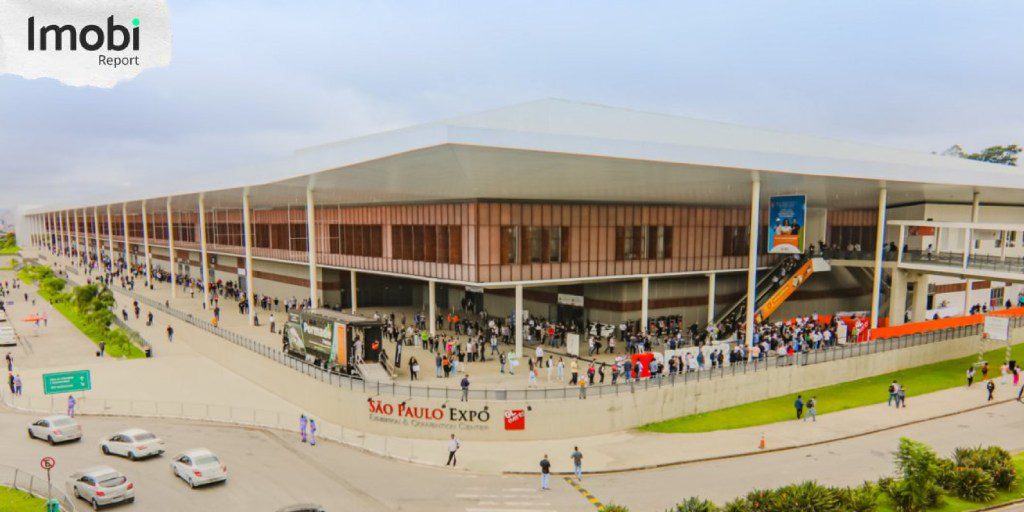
(611, 507)
(738, 505)
(863, 498)
(809, 496)
(906, 498)
(762, 500)
(973, 484)
(946, 473)
(920, 469)
(993, 460)
(694, 504)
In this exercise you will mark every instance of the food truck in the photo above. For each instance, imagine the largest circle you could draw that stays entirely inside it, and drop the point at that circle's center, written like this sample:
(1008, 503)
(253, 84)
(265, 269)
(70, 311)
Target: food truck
(334, 340)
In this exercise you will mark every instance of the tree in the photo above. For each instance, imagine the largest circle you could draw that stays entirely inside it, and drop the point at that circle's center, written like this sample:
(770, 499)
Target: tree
(1004, 155)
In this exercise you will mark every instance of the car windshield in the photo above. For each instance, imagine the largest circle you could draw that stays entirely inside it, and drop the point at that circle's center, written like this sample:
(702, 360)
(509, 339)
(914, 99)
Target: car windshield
(205, 460)
(63, 422)
(111, 480)
(145, 437)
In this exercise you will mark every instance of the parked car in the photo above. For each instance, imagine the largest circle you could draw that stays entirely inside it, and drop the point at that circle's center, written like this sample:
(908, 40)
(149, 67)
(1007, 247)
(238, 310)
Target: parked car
(302, 507)
(199, 467)
(133, 443)
(101, 485)
(55, 429)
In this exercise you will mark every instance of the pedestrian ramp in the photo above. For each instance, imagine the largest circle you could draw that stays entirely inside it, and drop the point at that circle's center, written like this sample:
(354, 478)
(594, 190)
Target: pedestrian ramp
(374, 372)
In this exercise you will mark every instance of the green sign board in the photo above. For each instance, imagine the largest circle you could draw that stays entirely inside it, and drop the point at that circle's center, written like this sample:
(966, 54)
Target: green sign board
(66, 382)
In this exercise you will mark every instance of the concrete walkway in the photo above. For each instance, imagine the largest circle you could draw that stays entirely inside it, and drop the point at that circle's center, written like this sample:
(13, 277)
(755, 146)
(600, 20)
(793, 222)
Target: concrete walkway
(628, 450)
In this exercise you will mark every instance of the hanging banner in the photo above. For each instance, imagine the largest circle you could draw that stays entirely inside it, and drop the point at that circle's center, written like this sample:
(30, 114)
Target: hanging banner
(786, 220)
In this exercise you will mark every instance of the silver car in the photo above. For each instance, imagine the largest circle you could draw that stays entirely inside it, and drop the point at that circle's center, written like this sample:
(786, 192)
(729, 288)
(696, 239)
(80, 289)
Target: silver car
(199, 467)
(133, 443)
(101, 485)
(55, 429)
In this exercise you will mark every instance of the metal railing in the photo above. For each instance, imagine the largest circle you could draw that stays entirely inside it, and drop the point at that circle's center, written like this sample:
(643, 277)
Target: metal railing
(766, 362)
(35, 485)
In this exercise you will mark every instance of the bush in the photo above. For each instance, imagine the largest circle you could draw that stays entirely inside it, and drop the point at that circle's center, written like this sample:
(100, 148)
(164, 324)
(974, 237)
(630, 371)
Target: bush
(611, 507)
(863, 498)
(973, 484)
(762, 500)
(906, 498)
(993, 460)
(694, 504)
(920, 469)
(738, 505)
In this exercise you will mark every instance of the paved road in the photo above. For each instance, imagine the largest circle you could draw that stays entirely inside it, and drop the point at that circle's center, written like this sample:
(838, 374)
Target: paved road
(840, 463)
(270, 469)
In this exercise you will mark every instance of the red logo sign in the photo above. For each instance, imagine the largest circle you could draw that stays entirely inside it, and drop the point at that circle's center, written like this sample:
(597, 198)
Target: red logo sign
(47, 463)
(515, 419)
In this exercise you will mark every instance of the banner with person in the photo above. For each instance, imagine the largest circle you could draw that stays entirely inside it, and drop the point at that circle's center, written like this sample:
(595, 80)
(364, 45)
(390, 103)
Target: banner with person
(786, 221)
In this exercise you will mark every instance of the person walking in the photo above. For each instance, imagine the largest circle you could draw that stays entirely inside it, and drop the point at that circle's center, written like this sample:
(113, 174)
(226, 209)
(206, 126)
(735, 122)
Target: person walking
(901, 397)
(574, 372)
(812, 409)
(10, 362)
(302, 427)
(453, 446)
(970, 376)
(577, 462)
(894, 390)
(545, 473)
(17, 385)
(991, 388)
(583, 388)
(170, 333)
(312, 432)
(465, 388)
(71, 405)
(799, 406)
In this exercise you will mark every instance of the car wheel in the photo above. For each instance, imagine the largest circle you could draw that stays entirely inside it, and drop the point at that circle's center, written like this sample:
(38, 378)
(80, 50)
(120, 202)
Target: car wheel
(191, 483)
(50, 439)
(77, 495)
(30, 434)
(95, 505)
(106, 451)
(131, 455)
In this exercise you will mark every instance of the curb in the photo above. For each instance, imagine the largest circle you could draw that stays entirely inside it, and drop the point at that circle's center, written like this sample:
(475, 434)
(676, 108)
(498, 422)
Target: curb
(648, 467)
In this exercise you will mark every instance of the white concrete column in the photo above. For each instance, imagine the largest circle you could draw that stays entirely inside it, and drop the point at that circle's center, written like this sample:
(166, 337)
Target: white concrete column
(976, 207)
(645, 298)
(898, 297)
(170, 248)
(755, 227)
(1002, 245)
(78, 241)
(711, 298)
(110, 237)
(99, 246)
(432, 308)
(899, 246)
(967, 247)
(247, 241)
(311, 240)
(85, 237)
(202, 252)
(519, 320)
(145, 244)
(352, 285)
(127, 244)
(65, 223)
(876, 282)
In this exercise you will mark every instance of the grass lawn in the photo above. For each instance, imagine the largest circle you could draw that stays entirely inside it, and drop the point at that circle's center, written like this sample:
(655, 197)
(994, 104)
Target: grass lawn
(13, 500)
(952, 504)
(13, 249)
(838, 397)
(92, 331)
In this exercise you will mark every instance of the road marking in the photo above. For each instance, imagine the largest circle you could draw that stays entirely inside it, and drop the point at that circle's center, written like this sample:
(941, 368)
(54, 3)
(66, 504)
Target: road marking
(586, 494)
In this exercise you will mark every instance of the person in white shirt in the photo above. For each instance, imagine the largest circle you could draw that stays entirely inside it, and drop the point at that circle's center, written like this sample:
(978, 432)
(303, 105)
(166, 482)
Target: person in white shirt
(453, 446)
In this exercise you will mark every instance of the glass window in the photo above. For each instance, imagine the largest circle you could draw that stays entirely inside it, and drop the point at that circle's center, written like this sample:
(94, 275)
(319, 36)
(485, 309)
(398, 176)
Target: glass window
(555, 244)
(510, 244)
(536, 244)
(629, 252)
(659, 248)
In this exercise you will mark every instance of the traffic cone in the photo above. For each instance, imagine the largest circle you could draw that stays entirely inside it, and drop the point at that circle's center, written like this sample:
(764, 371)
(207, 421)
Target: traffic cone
(761, 445)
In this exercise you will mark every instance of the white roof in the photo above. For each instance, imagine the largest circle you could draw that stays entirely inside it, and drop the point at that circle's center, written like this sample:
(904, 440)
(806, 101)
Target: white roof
(562, 150)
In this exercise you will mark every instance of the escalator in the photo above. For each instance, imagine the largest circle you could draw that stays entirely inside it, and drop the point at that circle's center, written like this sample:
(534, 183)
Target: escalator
(770, 293)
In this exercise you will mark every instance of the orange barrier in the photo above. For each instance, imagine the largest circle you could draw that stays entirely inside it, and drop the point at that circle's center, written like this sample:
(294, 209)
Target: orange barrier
(942, 323)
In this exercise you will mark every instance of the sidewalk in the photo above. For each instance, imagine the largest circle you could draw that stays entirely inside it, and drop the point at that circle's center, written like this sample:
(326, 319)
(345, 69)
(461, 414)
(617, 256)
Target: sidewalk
(627, 450)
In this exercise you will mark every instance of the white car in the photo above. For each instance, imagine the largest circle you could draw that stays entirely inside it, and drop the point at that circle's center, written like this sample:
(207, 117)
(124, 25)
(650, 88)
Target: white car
(55, 429)
(199, 467)
(133, 443)
(101, 485)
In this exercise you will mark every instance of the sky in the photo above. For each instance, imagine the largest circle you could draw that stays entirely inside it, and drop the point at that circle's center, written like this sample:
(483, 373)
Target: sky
(254, 80)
